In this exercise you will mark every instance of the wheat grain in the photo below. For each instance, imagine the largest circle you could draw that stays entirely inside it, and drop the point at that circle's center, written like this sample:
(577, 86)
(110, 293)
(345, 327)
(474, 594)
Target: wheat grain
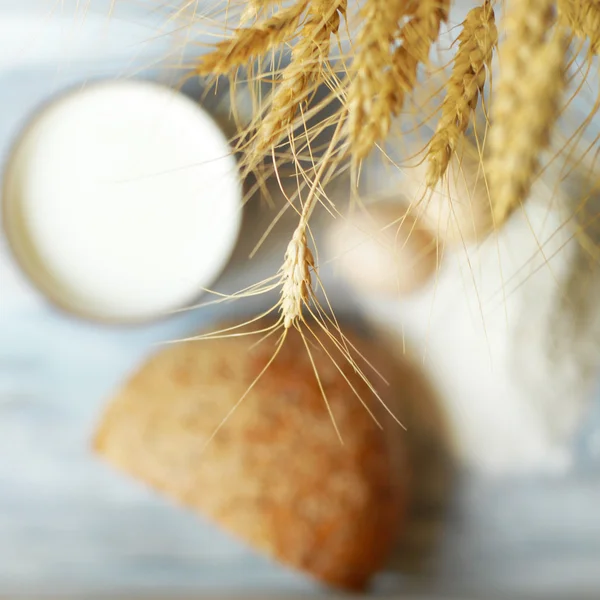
(526, 104)
(477, 41)
(251, 42)
(386, 65)
(304, 72)
(583, 18)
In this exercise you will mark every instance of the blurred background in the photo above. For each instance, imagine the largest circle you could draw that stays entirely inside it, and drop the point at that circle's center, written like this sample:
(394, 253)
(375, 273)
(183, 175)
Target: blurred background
(69, 524)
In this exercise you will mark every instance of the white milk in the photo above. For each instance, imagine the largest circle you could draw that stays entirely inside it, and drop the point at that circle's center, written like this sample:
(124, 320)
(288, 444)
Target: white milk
(122, 200)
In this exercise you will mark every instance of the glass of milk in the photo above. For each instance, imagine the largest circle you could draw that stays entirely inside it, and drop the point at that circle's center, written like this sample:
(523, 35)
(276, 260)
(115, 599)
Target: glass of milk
(122, 201)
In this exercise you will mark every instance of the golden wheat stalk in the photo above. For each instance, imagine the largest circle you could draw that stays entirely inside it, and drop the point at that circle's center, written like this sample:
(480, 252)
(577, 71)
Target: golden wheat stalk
(477, 41)
(583, 18)
(526, 103)
(304, 72)
(386, 63)
(251, 42)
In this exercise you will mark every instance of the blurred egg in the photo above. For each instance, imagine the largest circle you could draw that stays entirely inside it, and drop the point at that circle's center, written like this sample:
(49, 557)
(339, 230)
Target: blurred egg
(383, 249)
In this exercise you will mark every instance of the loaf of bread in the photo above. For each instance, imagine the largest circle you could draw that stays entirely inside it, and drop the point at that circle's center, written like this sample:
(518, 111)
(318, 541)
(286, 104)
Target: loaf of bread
(276, 473)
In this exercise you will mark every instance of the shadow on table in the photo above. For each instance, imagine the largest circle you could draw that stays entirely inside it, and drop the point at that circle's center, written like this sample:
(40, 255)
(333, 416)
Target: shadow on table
(433, 472)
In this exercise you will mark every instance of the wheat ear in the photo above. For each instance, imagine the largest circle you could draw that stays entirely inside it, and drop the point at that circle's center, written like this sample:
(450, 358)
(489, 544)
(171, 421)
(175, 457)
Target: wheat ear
(526, 103)
(304, 72)
(254, 10)
(296, 285)
(250, 42)
(583, 18)
(251, 12)
(417, 37)
(386, 64)
(477, 41)
(371, 88)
